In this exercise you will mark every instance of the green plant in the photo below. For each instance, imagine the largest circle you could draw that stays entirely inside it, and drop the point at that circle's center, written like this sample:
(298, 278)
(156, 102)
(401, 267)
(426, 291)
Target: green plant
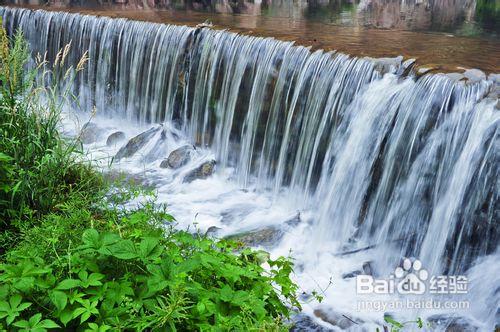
(157, 279)
(397, 326)
(72, 257)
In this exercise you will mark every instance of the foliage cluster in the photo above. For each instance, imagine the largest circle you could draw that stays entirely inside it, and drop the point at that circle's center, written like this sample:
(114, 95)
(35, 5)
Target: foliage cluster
(73, 258)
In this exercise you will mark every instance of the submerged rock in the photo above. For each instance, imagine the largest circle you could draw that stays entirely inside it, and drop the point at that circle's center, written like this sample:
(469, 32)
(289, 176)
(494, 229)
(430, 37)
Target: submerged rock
(336, 319)
(178, 158)
(89, 133)
(115, 138)
(266, 237)
(136, 143)
(201, 172)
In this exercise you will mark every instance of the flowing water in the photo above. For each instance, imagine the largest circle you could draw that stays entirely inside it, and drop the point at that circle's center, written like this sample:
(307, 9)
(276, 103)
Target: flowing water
(344, 160)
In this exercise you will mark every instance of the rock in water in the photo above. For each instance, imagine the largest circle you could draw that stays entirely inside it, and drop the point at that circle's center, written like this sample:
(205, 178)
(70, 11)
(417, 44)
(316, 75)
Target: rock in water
(266, 237)
(178, 158)
(136, 143)
(115, 138)
(89, 133)
(202, 172)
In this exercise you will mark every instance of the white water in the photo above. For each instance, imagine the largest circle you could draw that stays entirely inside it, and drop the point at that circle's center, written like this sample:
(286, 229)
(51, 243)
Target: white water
(367, 160)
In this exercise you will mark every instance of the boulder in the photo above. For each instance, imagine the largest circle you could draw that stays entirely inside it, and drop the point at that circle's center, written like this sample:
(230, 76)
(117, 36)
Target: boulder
(266, 237)
(136, 143)
(339, 320)
(89, 133)
(201, 172)
(115, 138)
(178, 158)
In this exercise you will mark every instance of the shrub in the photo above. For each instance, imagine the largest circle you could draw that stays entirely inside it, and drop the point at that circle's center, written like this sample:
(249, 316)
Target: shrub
(128, 273)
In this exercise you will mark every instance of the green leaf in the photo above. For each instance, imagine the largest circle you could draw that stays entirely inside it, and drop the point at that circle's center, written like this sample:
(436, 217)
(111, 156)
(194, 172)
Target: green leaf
(393, 322)
(66, 316)
(90, 238)
(48, 324)
(59, 299)
(125, 249)
(68, 284)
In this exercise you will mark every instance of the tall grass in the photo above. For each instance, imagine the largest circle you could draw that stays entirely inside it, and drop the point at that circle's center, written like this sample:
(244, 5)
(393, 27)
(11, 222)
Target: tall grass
(38, 168)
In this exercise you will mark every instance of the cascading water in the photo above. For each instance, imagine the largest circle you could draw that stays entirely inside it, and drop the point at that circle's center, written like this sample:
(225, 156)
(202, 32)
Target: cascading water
(371, 158)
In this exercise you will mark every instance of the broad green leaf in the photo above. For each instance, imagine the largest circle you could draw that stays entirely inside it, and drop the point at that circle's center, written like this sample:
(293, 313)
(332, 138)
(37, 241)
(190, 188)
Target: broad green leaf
(68, 284)
(59, 299)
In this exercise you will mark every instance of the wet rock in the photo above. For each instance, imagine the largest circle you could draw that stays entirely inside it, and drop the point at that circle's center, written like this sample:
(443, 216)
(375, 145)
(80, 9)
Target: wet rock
(450, 323)
(352, 274)
(407, 67)
(456, 76)
(303, 322)
(90, 133)
(136, 143)
(294, 221)
(115, 138)
(159, 148)
(266, 237)
(368, 268)
(424, 70)
(212, 231)
(178, 158)
(387, 65)
(474, 75)
(201, 172)
(336, 319)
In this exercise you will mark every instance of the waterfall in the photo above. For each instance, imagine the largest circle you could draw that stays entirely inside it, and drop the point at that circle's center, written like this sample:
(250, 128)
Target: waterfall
(407, 162)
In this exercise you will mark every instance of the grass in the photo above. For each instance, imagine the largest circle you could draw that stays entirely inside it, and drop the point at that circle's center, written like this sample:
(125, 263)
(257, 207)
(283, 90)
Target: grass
(72, 258)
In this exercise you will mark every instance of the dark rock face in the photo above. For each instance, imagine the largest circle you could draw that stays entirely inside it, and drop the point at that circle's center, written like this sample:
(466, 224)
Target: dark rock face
(178, 158)
(136, 143)
(266, 237)
(451, 323)
(115, 138)
(202, 172)
(89, 133)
